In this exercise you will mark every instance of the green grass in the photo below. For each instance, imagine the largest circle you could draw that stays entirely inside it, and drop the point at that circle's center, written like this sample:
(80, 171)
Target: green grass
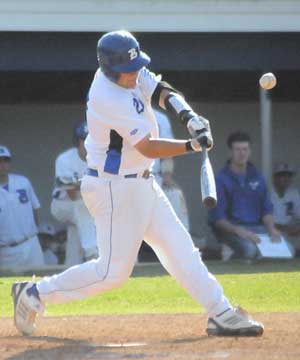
(262, 287)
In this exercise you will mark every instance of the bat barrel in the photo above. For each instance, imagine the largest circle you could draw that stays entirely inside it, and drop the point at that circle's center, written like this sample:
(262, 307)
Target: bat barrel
(207, 179)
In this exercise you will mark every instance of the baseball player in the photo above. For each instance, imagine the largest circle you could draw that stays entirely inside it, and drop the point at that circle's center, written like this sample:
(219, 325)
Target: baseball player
(67, 205)
(125, 200)
(19, 205)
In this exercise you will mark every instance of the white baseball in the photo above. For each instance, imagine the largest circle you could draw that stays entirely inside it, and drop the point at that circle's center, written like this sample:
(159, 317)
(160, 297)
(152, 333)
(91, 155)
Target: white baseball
(268, 81)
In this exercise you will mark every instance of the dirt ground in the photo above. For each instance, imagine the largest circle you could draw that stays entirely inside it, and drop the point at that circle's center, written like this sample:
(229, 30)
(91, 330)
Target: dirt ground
(148, 337)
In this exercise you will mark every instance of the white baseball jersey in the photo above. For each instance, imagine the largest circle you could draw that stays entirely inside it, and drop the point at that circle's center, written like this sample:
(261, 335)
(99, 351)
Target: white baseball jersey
(68, 165)
(113, 151)
(165, 132)
(17, 201)
(286, 208)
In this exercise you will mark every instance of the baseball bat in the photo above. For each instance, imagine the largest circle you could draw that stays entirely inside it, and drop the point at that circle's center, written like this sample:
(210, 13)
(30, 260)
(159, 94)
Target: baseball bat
(207, 181)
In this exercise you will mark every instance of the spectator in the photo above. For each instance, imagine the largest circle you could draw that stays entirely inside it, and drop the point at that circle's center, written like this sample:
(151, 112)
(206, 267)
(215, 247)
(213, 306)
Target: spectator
(67, 205)
(244, 209)
(286, 204)
(47, 241)
(19, 205)
(173, 192)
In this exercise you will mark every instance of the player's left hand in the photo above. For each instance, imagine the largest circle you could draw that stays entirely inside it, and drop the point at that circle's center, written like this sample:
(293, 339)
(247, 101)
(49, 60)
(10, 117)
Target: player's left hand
(199, 128)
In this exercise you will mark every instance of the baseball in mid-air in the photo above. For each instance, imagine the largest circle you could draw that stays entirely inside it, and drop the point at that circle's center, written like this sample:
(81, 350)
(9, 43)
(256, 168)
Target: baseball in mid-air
(268, 81)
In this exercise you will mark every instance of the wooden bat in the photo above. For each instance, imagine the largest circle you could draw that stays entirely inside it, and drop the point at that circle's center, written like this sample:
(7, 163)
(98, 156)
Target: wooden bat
(207, 181)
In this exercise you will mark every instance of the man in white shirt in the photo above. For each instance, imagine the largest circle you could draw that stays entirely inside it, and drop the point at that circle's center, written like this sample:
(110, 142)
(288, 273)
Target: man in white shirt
(19, 206)
(67, 205)
(286, 204)
(126, 202)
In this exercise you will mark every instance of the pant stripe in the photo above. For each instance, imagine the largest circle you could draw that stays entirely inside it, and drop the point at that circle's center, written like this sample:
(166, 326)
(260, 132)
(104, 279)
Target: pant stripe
(110, 233)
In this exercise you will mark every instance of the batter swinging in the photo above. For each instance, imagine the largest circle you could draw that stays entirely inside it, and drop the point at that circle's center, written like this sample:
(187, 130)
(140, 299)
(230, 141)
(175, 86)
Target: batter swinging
(124, 199)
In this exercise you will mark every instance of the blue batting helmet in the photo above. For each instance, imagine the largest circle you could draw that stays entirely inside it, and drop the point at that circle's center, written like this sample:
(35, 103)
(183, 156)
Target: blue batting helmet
(119, 52)
(80, 132)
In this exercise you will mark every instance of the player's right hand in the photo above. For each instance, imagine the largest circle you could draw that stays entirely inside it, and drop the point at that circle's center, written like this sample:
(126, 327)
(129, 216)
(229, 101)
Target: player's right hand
(199, 128)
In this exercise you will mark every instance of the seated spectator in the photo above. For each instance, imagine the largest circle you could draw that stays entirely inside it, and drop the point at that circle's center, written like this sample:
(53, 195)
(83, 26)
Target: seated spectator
(19, 206)
(47, 241)
(286, 203)
(244, 209)
(67, 205)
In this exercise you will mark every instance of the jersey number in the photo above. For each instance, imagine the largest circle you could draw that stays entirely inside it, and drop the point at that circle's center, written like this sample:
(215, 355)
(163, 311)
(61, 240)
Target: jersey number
(23, 198)
(138, 104)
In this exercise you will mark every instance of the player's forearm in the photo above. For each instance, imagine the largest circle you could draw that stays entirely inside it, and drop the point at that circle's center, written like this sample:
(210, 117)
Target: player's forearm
(163, 148)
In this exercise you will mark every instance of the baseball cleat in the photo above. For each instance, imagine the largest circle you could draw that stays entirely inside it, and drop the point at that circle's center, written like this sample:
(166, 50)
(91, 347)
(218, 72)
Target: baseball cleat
(234, 322)
(27, 306)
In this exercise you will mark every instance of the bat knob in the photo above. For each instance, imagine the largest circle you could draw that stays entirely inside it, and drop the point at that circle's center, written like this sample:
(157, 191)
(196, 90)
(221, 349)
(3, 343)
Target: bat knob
(210, 202)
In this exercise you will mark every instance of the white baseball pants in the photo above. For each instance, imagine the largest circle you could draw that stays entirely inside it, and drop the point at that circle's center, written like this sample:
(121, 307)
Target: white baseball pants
(126, 211)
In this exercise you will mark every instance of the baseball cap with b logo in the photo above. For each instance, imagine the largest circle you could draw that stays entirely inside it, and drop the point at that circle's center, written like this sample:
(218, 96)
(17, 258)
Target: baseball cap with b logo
(4, 152)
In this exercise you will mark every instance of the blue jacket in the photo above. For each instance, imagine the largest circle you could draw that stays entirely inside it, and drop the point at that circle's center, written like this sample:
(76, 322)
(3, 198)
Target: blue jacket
(241, 199)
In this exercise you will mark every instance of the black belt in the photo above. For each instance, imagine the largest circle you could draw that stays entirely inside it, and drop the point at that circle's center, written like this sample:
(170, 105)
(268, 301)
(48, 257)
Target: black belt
(14, 243)
(146, 174)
